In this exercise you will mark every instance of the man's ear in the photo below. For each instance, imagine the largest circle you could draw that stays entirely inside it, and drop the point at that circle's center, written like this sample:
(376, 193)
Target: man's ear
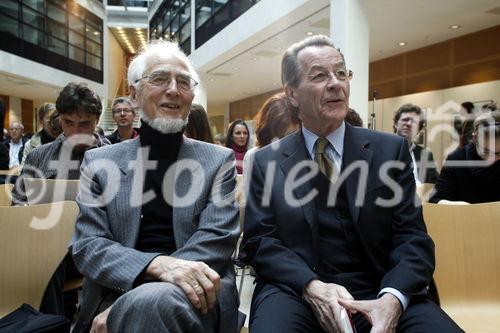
(133, 93)
(290, 92)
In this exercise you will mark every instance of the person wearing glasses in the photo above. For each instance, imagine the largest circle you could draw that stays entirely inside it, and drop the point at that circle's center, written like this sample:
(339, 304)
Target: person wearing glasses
(408, 123)
(471, 174)
(157, 253)
(319, 256)
(123, 114)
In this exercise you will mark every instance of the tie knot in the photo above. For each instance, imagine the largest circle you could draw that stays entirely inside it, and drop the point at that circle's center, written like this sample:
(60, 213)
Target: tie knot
(321, 145)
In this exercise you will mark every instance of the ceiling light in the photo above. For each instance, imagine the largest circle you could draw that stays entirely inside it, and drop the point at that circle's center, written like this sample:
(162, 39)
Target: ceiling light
(254, 59)
(402, 43)
(454, 26)
(138, 29)
(211, 79)
(96, 33)
(119, 28)
(309, 33)
(236, 68)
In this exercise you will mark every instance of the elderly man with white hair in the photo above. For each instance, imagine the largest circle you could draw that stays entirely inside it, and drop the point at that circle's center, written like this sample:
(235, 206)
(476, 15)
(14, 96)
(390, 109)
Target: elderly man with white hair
(158, 224)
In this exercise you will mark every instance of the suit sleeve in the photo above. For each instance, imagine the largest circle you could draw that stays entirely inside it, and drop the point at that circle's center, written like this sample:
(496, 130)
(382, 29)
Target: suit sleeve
(96, 253)
(445, 188)
(262, 247)
(411, 259)
(218, 227)
(29, 170)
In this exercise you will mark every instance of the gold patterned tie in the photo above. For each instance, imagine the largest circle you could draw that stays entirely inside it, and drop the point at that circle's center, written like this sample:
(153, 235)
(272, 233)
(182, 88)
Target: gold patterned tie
(324, 163)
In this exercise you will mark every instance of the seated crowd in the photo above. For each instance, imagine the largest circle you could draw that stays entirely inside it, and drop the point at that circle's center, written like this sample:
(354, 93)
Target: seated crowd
(158, 225)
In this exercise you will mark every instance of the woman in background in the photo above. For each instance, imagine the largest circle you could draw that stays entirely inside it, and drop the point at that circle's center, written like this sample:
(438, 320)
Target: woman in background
(237, 139)
(276, 119)
(198, 127)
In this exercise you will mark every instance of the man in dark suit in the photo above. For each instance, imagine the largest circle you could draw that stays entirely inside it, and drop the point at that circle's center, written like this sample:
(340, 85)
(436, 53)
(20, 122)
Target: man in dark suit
(349, 236)
(408, 123)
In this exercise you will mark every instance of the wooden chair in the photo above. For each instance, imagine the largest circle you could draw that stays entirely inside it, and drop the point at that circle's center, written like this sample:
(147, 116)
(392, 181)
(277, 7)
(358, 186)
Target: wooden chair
(5, 196)
(467, 262)
(41, 190)
(34, 241)
(424, 191)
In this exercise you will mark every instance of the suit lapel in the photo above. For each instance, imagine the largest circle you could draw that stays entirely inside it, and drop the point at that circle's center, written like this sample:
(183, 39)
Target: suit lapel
(183, 183)
(355, 149)
(294, 153)
(127, 189)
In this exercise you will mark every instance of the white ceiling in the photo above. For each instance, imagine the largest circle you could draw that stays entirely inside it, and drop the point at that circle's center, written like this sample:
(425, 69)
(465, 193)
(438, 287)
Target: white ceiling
(417, 22)
(26, 88)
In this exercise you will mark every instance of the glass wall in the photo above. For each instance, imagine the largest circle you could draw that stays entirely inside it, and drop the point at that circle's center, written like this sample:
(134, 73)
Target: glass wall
(57, 33)
(214, 15)
(172, 21)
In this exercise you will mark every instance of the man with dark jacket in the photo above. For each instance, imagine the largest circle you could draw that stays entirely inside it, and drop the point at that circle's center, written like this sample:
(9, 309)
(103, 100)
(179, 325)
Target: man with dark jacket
(408, 123)
(330, 222)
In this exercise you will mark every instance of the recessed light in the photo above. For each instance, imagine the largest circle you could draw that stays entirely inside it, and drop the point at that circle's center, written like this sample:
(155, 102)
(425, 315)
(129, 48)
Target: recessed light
(211, 79)
(454, 26)
(254, 59)
(236, 68)
(309, 33)
(402, 43)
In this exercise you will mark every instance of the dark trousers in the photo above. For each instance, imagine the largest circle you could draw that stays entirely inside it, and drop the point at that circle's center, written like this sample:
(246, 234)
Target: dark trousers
(276, 311)
(55, 300)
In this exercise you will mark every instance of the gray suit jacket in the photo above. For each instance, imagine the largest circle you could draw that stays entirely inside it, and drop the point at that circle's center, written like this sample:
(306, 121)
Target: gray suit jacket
(106, 234)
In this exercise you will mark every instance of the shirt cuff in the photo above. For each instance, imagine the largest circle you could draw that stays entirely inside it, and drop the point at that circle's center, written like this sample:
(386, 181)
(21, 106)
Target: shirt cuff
(403, 299)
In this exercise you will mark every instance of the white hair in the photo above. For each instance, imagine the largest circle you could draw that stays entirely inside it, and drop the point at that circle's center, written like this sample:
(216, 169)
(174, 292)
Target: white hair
(160, 49)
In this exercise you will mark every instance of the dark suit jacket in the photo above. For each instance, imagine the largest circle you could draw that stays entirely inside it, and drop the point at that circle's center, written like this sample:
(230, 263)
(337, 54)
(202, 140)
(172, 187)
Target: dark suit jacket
(20, 155)
(468, 183)
(422, 156)
(280, 241)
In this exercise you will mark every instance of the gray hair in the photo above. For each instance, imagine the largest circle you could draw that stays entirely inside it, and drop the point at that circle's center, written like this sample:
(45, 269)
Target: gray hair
(20, 125)
(44, 109)
(291, 71)
(160, 49)
(122, 100)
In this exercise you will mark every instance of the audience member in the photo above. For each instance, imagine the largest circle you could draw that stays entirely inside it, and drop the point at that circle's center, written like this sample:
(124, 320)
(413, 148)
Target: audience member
(471, 174)
(15, 143)
(353, 118)
(51, 128)
(168, 268)
(463, 123)
(312, 256)
(408, 123)
(238, 138)
(276, 119)
(123, 114)
(4, 151)
(79, 109)
(198, 127)
(220, 140)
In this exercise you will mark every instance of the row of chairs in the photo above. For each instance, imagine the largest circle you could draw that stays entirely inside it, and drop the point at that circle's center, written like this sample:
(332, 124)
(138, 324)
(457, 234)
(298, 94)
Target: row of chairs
(467, 256)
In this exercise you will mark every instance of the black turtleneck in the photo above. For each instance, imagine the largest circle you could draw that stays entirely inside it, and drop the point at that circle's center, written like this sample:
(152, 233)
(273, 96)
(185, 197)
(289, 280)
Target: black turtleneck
(156, 230)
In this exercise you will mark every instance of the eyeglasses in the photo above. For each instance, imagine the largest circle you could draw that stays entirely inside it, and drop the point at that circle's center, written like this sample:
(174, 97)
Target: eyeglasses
(164, 79)
(126, 111)
(341, 75)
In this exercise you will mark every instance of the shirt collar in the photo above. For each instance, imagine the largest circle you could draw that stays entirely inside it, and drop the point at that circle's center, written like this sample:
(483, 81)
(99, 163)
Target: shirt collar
(336, 139)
